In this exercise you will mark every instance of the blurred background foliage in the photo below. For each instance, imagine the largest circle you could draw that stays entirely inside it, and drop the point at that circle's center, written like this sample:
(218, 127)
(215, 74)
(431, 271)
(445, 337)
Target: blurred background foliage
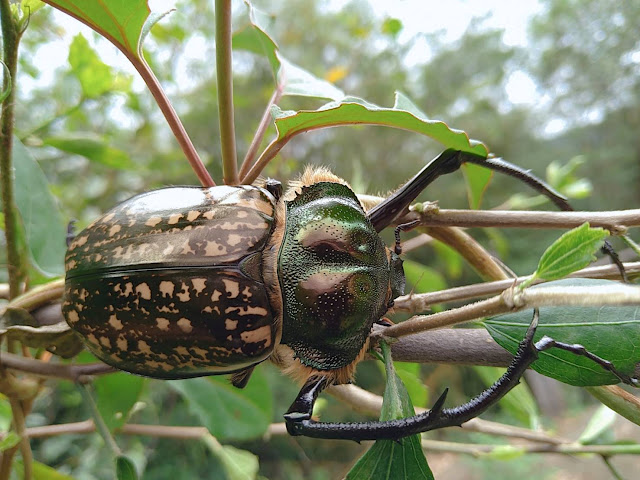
(100, 139)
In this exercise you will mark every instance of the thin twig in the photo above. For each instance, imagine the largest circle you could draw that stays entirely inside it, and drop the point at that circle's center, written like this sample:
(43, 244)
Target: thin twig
(76, 373)
(422, 301)
(614, 221)
(511, 300)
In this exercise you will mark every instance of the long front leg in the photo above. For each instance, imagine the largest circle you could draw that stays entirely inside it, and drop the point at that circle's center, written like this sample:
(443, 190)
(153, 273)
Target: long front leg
(299, 416)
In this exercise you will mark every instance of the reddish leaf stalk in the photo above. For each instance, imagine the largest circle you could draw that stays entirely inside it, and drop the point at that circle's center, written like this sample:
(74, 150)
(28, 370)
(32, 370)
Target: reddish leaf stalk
(138, 62)
(260, 132)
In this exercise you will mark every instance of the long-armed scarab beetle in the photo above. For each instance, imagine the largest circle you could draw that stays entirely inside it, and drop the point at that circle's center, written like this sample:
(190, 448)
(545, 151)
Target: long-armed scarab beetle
(187, 281)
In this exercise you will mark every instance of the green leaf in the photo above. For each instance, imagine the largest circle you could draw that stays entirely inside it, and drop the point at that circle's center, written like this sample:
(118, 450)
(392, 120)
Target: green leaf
(6, 415)
(229, 412)
(519, 402)
(95, 77)
(253, 37)
(125, 469)
(392, 26)
(572, 251)
(628, 408)
(10, 440)
(93, 147)
(238, 464)
(477, 180)
(120, 22)
(355, 111)
(387, 459)
(40, 471)
(31, 6)
(115, 397)
(44, 227)
(292, 79)
(297, 81)
(606, 331)
(409, 374)
(422, 279)
(600, 424)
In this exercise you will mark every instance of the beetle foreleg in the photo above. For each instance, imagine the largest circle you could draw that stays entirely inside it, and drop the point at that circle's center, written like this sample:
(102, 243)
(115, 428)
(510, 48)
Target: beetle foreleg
(438, 417)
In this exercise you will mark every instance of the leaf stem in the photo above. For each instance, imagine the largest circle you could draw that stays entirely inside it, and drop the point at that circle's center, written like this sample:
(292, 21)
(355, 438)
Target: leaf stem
(224, 74)
(260, 133)
(101, 427)
(10, 41)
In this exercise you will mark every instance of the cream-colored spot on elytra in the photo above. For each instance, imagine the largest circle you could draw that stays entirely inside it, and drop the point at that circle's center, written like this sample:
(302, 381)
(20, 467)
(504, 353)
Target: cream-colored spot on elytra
(97, 257)
(72, 316)
(184, 294)
(257, 335)
(185, 325)
(182, 350)
(163, 323)
(114, 229)
(199, 284)
(105, 341)
(254, 311)
(174, 218)
(115, 323)
(153, 221)
(122, 344)
(166, 309)
(168, 249)
(107, 218)
(144, 347)
(166, 288)
(143, 290)
(92, 339)
(207, 309)
(234, 239)
(199, 352)
(84, 293)
(209, 214)
(80, 241)
(186, 248)
(230, 324)
(128, 289)
(215, 296)
(242, 214)
(232, 287)
(71, 264)
(192, 215)
(214, 248)
(247, 293)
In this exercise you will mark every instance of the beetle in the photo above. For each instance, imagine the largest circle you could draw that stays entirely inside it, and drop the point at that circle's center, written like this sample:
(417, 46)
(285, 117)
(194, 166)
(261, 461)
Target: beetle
(189, 281)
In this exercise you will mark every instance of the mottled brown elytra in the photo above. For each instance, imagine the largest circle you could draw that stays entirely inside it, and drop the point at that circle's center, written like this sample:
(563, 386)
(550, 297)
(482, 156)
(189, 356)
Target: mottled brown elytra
(189, 281)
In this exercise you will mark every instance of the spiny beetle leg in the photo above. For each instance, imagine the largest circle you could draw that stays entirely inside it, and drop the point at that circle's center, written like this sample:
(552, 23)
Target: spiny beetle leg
(545, 343)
